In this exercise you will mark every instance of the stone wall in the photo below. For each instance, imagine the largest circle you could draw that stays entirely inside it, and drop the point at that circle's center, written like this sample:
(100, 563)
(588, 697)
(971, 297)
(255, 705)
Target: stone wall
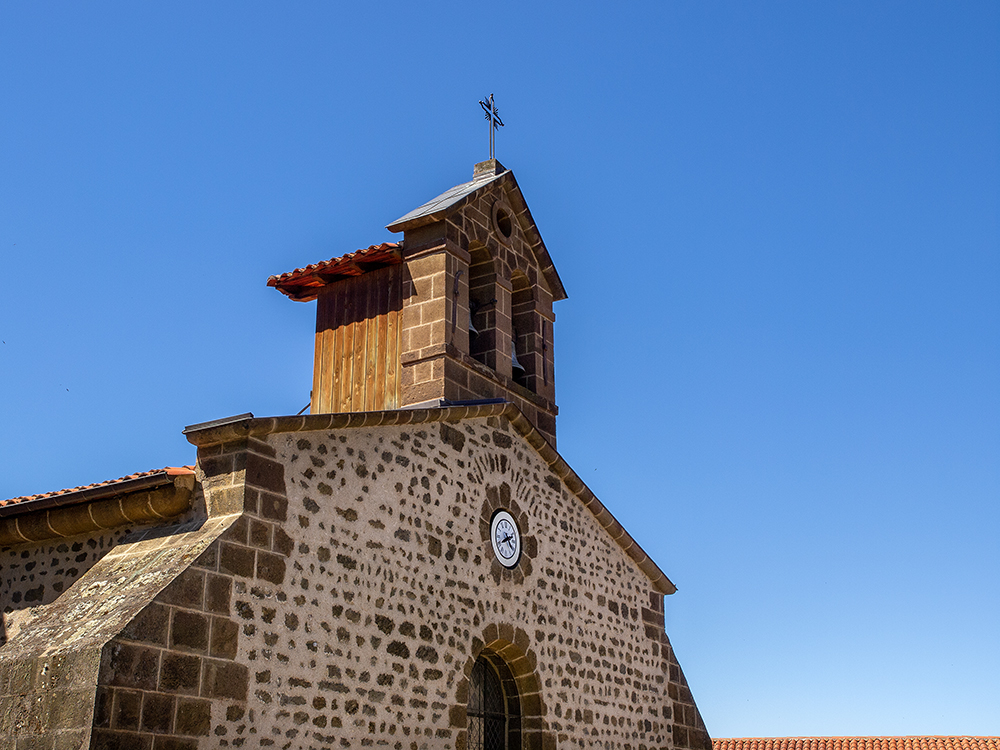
(332, 588)
(58, 642)
(366, 629)
(435, 352)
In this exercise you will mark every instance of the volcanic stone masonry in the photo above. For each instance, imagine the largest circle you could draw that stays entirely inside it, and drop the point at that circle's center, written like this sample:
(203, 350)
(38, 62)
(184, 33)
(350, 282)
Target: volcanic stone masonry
(332, 586)
(330, 580)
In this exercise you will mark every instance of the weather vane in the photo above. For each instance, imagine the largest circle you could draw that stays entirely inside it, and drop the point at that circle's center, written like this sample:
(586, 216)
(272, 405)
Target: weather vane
(493, 115)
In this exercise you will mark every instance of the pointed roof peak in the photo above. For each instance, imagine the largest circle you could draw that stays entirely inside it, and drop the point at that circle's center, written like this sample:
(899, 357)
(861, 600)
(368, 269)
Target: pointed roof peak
(435, 209)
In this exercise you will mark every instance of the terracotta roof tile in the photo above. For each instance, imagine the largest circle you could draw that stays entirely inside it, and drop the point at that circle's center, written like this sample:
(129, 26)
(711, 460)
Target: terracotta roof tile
(169, 471)
(303, 284)
(857, 743)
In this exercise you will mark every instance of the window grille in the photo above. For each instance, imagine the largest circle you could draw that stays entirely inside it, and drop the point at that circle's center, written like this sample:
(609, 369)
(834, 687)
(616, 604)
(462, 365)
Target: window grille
(490, 709)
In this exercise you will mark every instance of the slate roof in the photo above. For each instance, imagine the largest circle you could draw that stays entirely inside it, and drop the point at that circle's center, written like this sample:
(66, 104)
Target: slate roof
(857, 743)
(303, 284)
(107, 488)
(435, 208)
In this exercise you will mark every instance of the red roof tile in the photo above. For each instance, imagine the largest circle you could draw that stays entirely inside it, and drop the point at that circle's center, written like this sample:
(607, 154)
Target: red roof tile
(857, 743)
(303, 284)
(110, 484)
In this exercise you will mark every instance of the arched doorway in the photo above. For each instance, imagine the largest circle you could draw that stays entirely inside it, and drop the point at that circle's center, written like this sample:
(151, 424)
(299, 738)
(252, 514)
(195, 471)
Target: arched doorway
(494, 710)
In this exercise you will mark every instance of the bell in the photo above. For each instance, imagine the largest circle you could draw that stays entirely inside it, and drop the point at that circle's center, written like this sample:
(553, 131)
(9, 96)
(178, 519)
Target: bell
(518, 370)
(472, 328)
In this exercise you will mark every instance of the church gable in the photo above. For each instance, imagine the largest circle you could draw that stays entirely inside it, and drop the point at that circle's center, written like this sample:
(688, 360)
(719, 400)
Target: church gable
(410, 564)
(392, 592)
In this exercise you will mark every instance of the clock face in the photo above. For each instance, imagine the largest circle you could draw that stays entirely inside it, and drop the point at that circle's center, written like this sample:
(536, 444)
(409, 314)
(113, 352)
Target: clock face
(506, 539)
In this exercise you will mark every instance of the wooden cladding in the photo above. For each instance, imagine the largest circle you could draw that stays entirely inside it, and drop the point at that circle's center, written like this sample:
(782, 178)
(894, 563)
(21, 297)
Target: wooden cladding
(358, 333)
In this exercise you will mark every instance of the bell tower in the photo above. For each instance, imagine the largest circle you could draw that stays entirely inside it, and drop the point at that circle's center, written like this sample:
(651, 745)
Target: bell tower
(459, 310)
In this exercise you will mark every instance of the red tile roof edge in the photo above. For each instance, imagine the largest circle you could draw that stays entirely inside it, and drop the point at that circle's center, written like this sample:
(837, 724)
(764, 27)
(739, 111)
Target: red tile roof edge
(387, 253)
(873, 742)
(121, 485)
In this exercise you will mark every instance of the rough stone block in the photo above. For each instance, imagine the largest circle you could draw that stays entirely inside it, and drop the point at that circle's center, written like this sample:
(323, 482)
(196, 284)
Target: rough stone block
(157, 713)
(194, 717)
(131, 666)
(218, 594)
(127, 709)
(180, 673)
(187, 590)
(149, 626)
(225, 679)
(107, 739)
(271, 568)
(189, 630)
(225, 638)
(236, 560)
(265, 474)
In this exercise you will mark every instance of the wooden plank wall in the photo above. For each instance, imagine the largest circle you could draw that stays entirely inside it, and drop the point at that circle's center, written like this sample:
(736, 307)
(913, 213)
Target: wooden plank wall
(358, 334)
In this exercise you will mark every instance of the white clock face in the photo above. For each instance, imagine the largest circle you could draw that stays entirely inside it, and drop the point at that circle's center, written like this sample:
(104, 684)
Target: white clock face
(506, 539)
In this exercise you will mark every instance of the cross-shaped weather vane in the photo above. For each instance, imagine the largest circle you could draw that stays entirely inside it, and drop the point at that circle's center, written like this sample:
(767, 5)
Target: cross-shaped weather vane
(493, 115)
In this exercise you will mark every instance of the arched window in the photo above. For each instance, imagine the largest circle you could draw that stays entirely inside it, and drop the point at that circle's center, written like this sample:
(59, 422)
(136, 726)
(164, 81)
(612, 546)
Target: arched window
(482, 307)
(494, 708)
(525, 338)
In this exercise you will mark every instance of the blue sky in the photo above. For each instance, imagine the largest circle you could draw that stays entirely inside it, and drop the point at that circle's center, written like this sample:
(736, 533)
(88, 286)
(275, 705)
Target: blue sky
(778, 224)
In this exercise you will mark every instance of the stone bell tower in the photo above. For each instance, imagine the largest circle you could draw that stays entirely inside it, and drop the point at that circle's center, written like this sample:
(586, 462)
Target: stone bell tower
(460, 310)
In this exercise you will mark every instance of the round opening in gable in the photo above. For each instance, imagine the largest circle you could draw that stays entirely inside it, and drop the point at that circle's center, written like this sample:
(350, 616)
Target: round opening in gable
(504, 225)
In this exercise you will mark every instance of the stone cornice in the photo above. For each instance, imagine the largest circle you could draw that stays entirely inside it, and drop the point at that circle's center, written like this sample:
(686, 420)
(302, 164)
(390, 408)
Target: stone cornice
(91, 512)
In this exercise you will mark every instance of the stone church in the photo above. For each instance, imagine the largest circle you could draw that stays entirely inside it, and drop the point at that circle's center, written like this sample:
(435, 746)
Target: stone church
(410, 565)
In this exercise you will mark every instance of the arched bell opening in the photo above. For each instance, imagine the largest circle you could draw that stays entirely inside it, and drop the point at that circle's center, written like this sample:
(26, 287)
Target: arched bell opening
(494, 711)
(525, 334)
(482, 307)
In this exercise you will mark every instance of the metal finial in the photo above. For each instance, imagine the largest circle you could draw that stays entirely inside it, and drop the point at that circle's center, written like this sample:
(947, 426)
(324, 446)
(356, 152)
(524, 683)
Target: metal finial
(493, 115)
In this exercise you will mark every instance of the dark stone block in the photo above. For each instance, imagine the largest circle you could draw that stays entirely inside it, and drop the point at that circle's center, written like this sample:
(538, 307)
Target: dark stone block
(398, 648)
(149, 626)
(452, 437)
(225, 679)
(260, 534)
(266, 474)
(271, 567)
(218, 594)
(106, 739)
(225, 638)
(189, 630)
(428, 654)
(501, 441)
(102, 707)
(434, 546)
(187, 590)
(132, 666)
(216, 465)
(180, 673)
(125, 715)
(261, 448)
(282, 543)
(274, 507)
(194, 717)
(238, 532)
(157, 713)
(236, 560)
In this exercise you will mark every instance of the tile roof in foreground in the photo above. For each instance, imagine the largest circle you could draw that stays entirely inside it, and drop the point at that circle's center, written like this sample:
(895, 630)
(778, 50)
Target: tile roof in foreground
(857, 743)
(303, 284)
(128, 483)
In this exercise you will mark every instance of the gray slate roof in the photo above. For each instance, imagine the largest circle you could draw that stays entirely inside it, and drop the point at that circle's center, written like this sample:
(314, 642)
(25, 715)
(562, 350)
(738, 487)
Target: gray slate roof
(442, 203)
